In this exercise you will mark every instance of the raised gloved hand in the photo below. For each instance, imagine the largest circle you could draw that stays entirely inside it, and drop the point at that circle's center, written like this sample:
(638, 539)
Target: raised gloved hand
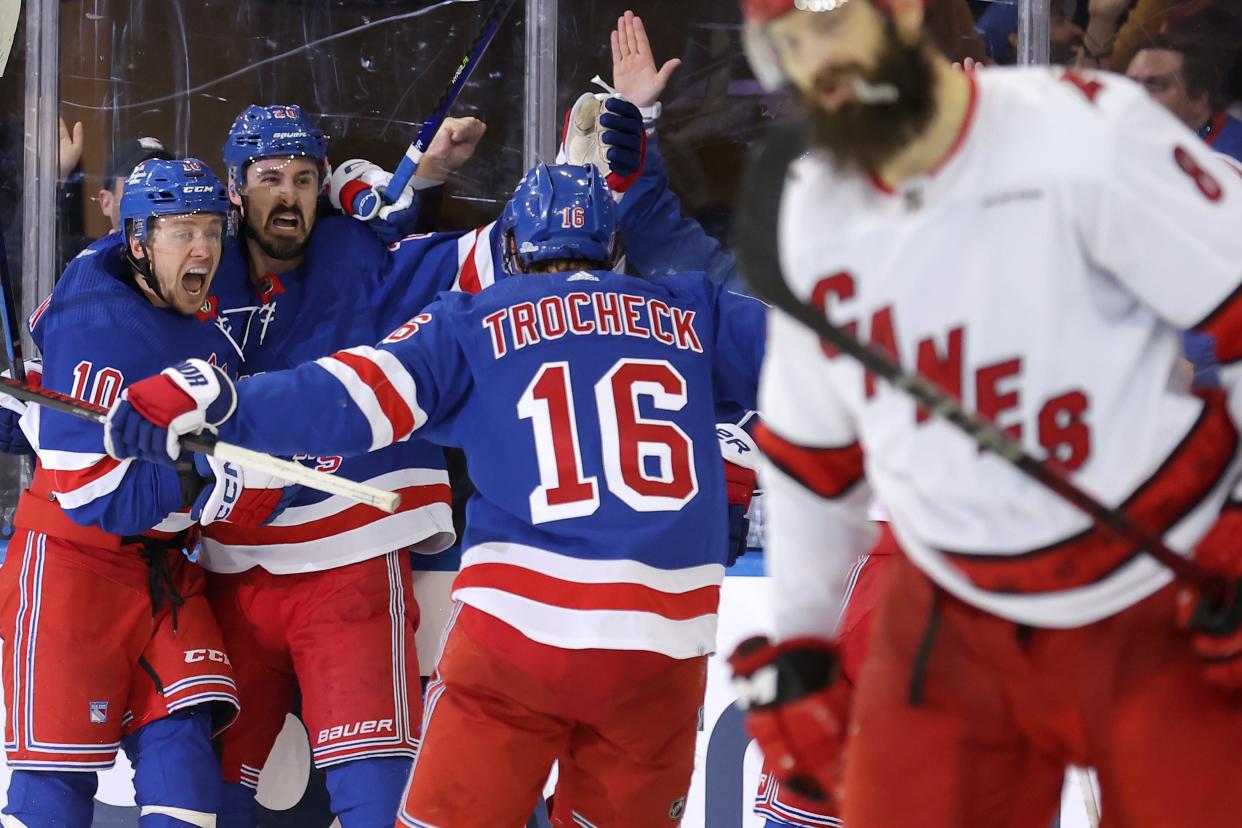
(356, 176)
(607, 131)
(741, 458)
(151, 415)
(798, 711)
(1217, 637)
(12, 439)
(240, 496)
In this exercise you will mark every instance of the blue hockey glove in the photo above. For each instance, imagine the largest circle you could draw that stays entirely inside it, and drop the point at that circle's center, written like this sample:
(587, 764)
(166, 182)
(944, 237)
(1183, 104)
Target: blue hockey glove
(12, 439)
(626, 139)
(241, 496)
(151, 415)
(606, 131)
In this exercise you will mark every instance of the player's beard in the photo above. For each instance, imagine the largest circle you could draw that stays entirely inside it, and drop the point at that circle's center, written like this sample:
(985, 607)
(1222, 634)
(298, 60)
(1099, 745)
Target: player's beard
(277, 247)
(865, 136)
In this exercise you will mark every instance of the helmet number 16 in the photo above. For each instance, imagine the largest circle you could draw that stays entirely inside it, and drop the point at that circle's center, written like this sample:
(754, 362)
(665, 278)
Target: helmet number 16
(573, 218)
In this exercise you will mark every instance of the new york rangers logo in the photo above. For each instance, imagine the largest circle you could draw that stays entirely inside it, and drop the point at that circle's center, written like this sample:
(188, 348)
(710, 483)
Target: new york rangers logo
(98, 712)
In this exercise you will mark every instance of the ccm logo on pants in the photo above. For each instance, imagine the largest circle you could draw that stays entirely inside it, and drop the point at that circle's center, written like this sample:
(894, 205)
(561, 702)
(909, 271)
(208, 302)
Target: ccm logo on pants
(192, 656)
(342, 731)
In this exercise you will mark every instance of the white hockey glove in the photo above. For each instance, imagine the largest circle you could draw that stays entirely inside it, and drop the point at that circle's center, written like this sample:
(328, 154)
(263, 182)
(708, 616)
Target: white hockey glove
(243, 497)
(350, 180)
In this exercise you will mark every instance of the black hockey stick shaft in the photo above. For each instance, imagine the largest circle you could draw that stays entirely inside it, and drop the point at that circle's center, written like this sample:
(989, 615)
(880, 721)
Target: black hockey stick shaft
(12, 328)
(757, 231)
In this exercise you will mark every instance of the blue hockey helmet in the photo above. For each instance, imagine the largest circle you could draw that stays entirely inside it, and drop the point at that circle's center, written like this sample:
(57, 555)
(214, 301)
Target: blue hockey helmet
(560, 212)
(271, 132)
(159, 187)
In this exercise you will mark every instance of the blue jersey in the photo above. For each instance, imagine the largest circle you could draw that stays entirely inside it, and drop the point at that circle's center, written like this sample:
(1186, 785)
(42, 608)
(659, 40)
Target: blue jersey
(1224, 134)
(350, 289)
(585, 404)
(97, 334)
(659, 240)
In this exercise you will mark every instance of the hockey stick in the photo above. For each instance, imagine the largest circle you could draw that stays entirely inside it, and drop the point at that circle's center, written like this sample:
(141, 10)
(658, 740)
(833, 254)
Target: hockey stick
(208, 444)
(368, 203)
(12, 331)
(1220, 609)
(1086, 781)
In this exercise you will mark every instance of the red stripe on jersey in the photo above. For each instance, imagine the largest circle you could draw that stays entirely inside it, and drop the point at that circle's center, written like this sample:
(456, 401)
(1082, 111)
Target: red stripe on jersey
(1224, 324)
(70, 481)
(38, 313)
(394, 406)
(1181, 483)
(354, 517)
(545, 589)
(829, 472)
(468, 281)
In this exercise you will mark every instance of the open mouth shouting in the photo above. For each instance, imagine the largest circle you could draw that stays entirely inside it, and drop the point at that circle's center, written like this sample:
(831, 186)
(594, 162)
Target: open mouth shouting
(287, 223)
(194, 281)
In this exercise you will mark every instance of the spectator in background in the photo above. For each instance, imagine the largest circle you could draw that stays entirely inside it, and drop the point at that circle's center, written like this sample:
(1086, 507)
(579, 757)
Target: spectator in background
(1186, 73)
(998, 26)
(125, 156)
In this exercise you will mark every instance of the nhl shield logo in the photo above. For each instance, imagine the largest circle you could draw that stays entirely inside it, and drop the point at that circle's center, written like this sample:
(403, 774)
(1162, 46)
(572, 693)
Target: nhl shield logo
(678, 809)
(98, 712)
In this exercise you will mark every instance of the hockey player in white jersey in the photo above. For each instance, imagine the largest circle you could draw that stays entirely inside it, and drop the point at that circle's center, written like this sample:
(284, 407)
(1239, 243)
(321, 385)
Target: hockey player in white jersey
(1032, 241)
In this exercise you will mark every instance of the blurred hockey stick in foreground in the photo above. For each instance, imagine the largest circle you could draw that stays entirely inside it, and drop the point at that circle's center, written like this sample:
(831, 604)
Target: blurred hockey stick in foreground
(208, 444)
(1219, 610)
(13, 337)
(367, 205)
(1086, 781)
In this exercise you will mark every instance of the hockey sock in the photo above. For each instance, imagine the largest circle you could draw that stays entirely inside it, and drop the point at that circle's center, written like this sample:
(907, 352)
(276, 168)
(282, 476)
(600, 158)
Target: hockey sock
(366, 793)
(177, 781)
(51, 799)
(237, 807)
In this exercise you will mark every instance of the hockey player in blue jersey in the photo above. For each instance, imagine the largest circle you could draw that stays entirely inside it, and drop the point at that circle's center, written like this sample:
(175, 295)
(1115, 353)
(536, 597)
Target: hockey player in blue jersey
(321, 600)
(596, 544)
(110, 640)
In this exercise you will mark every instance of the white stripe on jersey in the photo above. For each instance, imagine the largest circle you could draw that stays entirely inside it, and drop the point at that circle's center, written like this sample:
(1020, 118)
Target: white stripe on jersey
(589, 571)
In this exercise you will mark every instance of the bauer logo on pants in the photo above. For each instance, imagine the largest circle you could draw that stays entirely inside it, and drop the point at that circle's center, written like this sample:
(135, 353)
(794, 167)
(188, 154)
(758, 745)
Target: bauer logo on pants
(99, 712)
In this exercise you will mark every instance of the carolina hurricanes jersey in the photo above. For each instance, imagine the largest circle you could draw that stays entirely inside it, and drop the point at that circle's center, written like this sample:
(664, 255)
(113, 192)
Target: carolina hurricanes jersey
(1041, 273)
(585, 403)
(97, 334)
(351, 289)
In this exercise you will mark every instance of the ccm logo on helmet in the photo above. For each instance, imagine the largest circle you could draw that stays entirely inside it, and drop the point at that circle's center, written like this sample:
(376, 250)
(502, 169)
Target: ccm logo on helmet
(331, 734)
(218, 656)
(197, 188)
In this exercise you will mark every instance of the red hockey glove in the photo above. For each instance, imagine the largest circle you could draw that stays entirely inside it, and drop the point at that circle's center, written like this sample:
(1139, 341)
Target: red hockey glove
(1216, 631)
(151, 415)
(741, 456)
(799, 709)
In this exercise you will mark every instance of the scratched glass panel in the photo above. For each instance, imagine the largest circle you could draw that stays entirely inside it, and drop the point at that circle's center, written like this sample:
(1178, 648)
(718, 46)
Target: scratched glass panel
(712, 106)
(369, 70)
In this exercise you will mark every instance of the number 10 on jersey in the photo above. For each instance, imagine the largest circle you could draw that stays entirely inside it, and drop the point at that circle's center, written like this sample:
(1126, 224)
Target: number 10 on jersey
(648, 463)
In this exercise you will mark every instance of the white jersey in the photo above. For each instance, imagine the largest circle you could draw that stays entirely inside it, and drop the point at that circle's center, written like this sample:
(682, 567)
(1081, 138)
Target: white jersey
(1042, 273)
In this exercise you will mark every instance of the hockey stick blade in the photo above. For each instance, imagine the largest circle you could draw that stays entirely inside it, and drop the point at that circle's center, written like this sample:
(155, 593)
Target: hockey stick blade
(758, 222)
(207, 444)
(367, 205)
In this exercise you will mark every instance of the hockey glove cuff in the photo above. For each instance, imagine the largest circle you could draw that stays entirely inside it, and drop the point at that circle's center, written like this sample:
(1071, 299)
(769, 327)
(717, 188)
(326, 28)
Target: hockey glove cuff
(151, 415)
(355, 177)
(798, 710)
